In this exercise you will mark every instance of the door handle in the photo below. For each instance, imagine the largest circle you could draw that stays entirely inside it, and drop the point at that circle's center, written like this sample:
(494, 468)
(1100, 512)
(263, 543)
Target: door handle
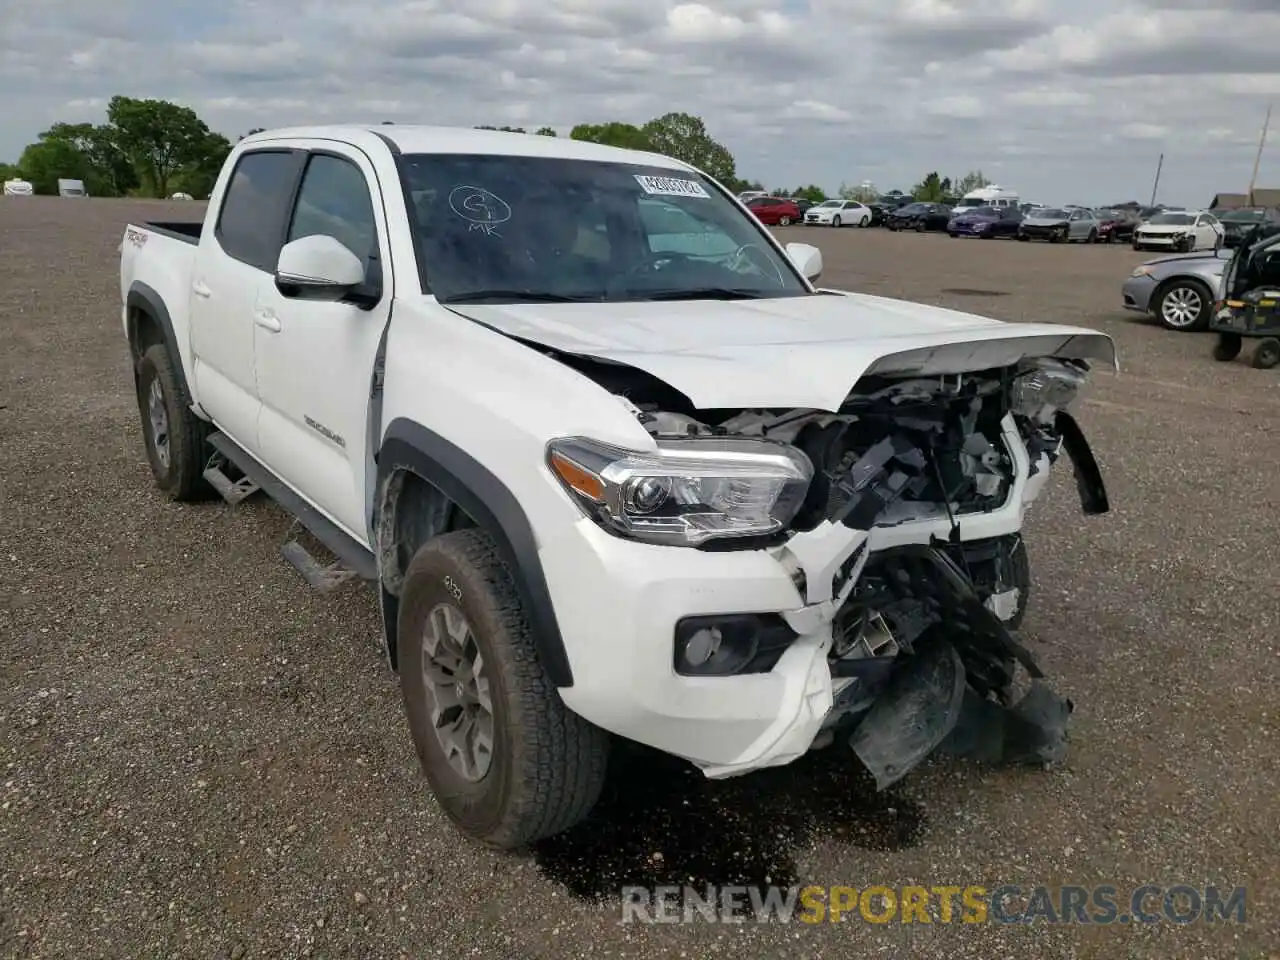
(267, 320)
(200, 290)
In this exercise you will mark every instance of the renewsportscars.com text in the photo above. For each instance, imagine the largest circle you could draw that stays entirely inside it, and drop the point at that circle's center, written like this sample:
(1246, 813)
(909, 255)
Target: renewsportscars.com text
(1006, 903)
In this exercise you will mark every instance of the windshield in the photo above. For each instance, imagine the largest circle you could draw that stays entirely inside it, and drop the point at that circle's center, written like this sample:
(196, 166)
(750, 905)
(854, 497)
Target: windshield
(495, 228)
(972, 202)
(1244, 216)
(1171, 219)
(1051, 213)
(829, 203)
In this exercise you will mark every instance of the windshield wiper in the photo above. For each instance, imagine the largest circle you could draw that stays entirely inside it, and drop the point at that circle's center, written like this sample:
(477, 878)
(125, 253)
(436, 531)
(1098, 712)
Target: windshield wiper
(524, 296)
(703, 293)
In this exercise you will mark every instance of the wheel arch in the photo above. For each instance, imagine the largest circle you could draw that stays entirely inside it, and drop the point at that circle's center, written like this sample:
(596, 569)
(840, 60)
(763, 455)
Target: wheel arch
(1165, 285)
(428, 486)
(148, 323)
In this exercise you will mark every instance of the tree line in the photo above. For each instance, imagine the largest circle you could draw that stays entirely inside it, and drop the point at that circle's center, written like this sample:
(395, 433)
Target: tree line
(155, 148)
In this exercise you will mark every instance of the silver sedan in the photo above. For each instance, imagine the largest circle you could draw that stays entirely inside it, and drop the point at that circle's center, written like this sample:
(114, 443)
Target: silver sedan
(1178, 291)
(1061, 225)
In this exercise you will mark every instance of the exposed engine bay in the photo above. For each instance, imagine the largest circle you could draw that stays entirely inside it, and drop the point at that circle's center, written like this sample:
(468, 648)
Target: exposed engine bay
(922, 652)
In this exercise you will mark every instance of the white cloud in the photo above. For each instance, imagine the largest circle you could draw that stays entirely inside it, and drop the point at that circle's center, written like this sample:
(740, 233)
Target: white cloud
(1072, 97)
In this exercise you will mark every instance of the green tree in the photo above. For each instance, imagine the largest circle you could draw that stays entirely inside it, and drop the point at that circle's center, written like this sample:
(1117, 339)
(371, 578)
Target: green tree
(485, 126)
(46, 161)
(613, 134)
(9, 171)
(812, 193)
(546, 132)
(973, 180)
(863, 194)
(159, 138)
(199, 174)
(931, 188)
(684, 137)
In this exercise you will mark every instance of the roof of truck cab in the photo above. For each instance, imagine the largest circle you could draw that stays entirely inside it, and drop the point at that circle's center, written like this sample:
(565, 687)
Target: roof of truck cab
(412, 138)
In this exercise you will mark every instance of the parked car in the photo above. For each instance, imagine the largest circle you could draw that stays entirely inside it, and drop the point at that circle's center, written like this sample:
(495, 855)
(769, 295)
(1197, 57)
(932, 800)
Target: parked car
(18, 188)
(839, 213)
(1115, 225)
(1236, 224)
(803, 205)
(1059, 225)
(1178, 291)
(985, 222)
(887, 204)
(1183, 231)
(774, 211)
(573, 539)
(919, 217)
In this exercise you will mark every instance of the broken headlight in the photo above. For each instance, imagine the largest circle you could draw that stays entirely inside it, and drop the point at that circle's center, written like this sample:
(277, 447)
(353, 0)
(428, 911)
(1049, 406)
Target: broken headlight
(1050, 386)
(688, 491)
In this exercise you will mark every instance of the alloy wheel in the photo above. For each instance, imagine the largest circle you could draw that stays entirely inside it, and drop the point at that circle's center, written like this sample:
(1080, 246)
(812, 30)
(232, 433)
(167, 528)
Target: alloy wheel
(457, 690)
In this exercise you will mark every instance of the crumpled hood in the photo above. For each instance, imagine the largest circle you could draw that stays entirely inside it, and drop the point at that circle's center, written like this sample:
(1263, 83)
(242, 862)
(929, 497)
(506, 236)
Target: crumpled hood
(805, 352)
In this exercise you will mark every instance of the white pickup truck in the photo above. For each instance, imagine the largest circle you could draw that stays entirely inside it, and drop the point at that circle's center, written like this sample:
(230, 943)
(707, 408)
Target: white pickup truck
(617, 467)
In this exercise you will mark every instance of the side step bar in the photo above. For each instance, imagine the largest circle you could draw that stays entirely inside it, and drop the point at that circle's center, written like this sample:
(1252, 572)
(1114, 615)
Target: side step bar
(354, 560)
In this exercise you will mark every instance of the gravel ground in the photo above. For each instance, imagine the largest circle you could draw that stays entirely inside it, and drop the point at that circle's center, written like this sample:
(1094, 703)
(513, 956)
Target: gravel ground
(203, 759)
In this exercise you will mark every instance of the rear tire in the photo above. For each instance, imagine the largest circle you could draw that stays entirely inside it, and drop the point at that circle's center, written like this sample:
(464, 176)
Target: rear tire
(784, 221)
(1093, 236)
(545, 765)
(864, 222)
(1228, 347)
(1267, 353)
(173, 435)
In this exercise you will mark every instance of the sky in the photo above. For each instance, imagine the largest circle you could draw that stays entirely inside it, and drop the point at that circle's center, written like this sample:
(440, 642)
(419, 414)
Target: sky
(1064, 101)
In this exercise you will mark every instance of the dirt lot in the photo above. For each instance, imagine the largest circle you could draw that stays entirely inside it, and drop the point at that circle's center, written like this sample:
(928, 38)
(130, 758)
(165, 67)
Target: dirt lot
(201, 758)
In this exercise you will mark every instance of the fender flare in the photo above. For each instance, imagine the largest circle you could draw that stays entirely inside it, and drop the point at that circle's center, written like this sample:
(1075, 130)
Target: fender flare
(144, 299)
(408, 445)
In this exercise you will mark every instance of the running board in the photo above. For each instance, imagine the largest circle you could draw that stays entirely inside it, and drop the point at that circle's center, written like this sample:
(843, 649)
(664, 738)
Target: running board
(232, 491)
(353, 559)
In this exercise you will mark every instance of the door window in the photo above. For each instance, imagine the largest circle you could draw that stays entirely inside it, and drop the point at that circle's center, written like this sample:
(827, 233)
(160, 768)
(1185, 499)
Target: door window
(254, 206)
(334, 201)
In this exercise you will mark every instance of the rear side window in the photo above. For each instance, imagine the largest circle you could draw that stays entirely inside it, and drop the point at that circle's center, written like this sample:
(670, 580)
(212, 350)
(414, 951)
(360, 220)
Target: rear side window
(255, 205)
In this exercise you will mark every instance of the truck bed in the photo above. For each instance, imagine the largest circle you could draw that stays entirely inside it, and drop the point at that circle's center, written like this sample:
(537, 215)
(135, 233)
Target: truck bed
(187, 232)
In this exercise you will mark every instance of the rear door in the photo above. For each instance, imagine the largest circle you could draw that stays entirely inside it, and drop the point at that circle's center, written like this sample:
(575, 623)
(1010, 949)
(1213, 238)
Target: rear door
(315, 359)
(234, 260)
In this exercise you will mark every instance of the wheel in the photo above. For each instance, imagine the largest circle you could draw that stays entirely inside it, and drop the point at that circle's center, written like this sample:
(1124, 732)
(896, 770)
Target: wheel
(173, 435)
(835, 221)
(1023, 238)
(1228, 347)
(1093, 236)
(784, 221)
(1267, 353)
(953, 235)
(1184, 305)
(920, 226)
(865, 221)
(506, 760)
(1137, 245)
(1186, 246)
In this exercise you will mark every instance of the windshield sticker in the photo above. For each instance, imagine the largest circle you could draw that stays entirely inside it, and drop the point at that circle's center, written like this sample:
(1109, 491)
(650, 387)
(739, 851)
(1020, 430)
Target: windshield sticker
(671, 187)
(483, 209)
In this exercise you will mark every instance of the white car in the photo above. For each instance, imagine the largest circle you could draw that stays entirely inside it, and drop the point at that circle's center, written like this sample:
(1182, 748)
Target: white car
(18, 188)
(1181, 230)
(838, 213)
(612, 476)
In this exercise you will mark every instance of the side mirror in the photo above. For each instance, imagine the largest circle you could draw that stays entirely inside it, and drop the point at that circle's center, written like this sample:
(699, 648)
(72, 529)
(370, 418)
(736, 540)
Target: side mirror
(807, 258)
(318, 268)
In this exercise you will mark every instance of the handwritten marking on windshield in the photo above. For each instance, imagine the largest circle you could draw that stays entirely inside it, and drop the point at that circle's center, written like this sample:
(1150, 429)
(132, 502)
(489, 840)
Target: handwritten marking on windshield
(482, 208)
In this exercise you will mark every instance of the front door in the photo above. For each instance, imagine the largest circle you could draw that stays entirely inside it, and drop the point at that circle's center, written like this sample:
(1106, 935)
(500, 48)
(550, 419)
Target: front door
(315, 359)
(233, 262)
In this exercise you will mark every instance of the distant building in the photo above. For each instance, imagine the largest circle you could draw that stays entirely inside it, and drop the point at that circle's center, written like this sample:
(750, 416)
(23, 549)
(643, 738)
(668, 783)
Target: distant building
(1234, 201)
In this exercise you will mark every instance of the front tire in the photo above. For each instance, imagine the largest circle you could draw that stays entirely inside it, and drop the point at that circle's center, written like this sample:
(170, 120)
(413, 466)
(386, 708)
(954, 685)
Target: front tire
(173, 435)
(835, 221)
(1184, 306)
(507, 761)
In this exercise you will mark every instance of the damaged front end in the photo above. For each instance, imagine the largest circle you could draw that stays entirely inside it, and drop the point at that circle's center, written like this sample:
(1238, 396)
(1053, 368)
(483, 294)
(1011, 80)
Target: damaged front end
(898, 518)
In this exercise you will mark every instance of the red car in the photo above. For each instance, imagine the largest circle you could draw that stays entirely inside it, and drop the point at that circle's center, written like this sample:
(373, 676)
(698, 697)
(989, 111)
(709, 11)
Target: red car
(774, 211)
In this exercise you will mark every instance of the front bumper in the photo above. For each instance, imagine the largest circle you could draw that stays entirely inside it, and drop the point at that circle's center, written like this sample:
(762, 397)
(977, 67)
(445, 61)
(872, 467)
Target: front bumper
(1042, 233)
(618, 604)
(1159, 239)
(1137, 293)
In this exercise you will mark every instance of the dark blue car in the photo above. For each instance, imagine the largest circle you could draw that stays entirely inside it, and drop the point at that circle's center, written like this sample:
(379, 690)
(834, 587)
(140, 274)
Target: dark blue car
(986, 222)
